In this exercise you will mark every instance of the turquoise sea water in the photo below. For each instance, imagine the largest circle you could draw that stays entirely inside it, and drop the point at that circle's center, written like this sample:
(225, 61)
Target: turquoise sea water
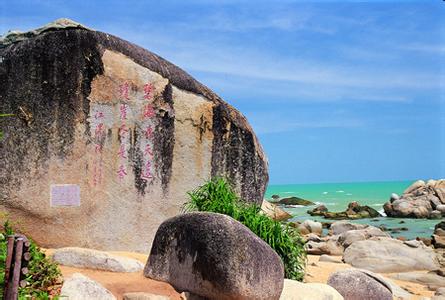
(336, 197)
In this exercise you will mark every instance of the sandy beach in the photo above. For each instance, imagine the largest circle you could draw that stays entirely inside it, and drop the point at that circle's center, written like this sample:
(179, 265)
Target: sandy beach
(121, 283)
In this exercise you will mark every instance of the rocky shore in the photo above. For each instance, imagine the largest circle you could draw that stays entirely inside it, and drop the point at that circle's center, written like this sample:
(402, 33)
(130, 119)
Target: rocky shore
(420, 200)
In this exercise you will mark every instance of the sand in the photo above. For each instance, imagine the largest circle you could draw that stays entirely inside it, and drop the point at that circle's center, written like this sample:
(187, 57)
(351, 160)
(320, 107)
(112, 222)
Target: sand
(121, 283)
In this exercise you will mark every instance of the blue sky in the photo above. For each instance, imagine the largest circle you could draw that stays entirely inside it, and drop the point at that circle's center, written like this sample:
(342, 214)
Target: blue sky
(336, 91)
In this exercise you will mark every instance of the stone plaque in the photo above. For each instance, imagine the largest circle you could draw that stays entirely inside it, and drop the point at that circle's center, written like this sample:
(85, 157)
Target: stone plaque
(65, 195)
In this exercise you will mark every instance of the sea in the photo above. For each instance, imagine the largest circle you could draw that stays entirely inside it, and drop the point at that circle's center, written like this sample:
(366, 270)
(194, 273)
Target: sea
(337, 196)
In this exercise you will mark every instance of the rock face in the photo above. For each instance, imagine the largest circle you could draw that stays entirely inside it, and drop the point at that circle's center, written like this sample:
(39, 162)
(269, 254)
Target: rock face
(105, 130)
(420, 200)
(274, 212)
(356, 285)
(213, 256)
(387, 255)
(94, 259)
(80, 287)
(295, 290)
(354, 211)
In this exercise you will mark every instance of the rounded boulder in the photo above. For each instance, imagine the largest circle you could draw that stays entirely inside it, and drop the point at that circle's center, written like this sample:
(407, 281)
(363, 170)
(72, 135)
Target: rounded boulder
(214, 256)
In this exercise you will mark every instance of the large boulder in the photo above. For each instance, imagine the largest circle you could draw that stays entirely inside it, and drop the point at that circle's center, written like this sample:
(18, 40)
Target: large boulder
(387, 255)
(274, 212)
(80, 287)
(94, 259)
(348, 237)
(108, 137)
(343, 226)
(309, 226)
(295, 290)
(354, 284)
(213, 256)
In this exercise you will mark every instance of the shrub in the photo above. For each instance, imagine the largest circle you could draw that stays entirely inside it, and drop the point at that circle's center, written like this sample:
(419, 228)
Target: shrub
(44, 276)
(218, 196)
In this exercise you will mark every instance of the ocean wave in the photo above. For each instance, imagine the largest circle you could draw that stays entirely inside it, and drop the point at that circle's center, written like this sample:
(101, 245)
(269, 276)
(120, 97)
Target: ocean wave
(294, 206)
(348, 194)
(377, 204)
(324, 193)
(340, 191)
(288, 192)
(382, 212)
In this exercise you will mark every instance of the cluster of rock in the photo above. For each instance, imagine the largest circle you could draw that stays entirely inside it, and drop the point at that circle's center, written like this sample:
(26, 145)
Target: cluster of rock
(354, 211)
(369, 249)
(420, 200)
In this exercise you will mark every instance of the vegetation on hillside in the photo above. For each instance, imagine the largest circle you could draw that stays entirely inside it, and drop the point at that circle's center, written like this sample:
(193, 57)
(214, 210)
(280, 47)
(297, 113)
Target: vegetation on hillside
(218, 196)
(44, 277)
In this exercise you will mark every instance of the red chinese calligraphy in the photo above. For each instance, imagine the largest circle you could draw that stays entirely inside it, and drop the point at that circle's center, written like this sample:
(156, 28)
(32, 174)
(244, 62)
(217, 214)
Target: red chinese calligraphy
(123, 110)
(99, 130)
(121, 173)
(148, 132)
(147, 171)
(98, 149)
(99, 115)
(148, 91)
(149, 111)
(122, 151)
(124, 91)
(148, 150)
(123, 131)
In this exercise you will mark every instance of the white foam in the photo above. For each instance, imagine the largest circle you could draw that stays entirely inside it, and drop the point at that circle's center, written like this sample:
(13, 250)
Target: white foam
(348, 194)
(324, 193)
(340, 191)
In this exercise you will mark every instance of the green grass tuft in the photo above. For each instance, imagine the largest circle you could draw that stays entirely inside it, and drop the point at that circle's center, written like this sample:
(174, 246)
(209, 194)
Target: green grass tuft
(218, 196)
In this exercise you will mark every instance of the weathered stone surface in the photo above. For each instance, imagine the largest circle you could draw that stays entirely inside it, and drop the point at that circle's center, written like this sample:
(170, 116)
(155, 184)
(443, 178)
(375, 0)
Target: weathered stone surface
(94, 259)
(353, 284)
(385, 255)
(128, 131)
(144, 296)
(80, 287)
(343, 226)
(348, 237)
(439, 294)
(295, 290)
(214, 256)
(274, 212)
(429, 279)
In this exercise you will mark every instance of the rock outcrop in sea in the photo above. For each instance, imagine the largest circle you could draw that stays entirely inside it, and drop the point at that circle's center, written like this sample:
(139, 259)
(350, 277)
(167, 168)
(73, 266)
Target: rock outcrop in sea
(109, 137)
(353, 212)
(420, 200)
